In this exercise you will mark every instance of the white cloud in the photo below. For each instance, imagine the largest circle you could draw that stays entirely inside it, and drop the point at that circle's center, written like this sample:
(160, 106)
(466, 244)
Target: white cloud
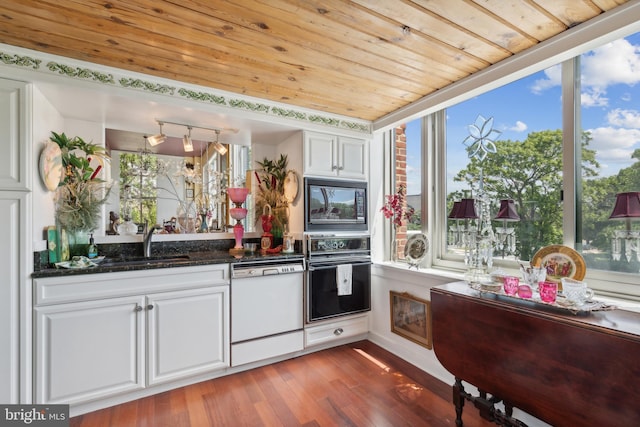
(614, 63)
(614, 147)
(519, 127)
(594, 98)
(624, 118)
(553, 78)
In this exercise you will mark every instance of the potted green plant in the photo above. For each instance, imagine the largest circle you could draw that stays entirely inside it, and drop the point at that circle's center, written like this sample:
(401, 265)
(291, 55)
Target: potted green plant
(81, 194)
(270, 192)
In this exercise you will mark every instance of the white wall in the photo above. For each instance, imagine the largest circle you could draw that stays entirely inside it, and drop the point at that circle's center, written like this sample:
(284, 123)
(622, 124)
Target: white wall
(377, 178)
(292, 148)
(386, 278)
(45, 119)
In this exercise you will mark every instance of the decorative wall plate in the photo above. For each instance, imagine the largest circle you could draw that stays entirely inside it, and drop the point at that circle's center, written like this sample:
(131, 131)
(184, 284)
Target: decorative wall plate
(416, 248)
(51, 165)
(291, 186)
(560, 261)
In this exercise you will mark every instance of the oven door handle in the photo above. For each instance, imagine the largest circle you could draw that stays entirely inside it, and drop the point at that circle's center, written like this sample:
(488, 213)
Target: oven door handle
(334, 265)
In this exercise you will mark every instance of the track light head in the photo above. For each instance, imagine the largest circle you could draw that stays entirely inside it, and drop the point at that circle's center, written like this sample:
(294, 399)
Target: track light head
(220, 148)
(187, 142)
(157, 139)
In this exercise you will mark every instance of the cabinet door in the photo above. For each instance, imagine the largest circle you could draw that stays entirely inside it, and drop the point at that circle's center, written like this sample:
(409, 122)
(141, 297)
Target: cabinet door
(188, 333)
(353, 158)
(13, 259)
(89, 350)
(320, 156)
(14, 143)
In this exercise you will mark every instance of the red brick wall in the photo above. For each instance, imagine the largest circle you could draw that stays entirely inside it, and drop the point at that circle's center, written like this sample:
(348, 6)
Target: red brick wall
(401, 178)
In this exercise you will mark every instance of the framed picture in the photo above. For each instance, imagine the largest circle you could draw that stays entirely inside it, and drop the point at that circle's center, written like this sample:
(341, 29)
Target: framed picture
(411, 318)
(189, 193)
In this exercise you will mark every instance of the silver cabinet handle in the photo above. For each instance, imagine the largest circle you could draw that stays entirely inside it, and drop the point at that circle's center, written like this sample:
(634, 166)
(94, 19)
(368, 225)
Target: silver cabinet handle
(150, 307)
(138, 308)
(338, 331)
(341, 168)
(334, 167)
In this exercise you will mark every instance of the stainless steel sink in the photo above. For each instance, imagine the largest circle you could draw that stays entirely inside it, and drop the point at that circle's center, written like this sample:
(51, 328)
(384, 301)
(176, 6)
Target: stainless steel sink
(154, 260)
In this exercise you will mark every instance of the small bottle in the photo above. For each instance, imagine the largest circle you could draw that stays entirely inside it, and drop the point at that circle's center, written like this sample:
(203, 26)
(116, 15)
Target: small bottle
(92, 251)
(287, 241)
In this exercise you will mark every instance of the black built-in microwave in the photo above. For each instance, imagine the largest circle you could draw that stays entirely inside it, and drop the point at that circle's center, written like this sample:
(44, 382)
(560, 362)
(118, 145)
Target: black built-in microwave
(335, 205)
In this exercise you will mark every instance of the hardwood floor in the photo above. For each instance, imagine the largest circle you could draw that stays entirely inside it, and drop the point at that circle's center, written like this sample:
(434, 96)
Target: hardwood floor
(358, 384)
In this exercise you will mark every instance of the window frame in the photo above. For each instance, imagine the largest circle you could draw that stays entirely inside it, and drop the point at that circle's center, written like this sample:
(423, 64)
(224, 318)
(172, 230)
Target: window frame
(565, 50)
(606, 282)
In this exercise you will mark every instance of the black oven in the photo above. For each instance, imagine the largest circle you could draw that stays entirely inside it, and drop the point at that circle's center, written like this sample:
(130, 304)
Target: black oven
(327, 259)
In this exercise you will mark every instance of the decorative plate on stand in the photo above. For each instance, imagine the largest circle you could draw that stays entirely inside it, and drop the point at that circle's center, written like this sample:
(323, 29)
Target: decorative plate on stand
(560, 261)
(51, 165)
(291, 186)
(416, 249)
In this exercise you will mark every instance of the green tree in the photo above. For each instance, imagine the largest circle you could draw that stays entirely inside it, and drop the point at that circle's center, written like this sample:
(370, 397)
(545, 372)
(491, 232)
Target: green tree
(599, 196)
(138, 188)
(530, 173)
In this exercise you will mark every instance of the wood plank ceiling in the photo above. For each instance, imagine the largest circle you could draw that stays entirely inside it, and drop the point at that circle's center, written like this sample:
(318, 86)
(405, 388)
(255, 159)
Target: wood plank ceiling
(359, 58)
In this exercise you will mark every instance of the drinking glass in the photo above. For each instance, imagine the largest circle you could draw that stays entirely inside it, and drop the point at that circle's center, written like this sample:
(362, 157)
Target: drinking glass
(534, 275)
(511, 284)
(548, 291)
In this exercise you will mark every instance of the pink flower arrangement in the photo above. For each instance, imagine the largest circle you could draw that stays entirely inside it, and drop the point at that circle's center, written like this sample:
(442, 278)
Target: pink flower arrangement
(395, 207)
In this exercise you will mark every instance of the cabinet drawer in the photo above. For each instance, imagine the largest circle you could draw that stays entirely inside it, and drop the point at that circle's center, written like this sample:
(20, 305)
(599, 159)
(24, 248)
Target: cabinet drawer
(334, 331)
(86, 287)
(265, 348)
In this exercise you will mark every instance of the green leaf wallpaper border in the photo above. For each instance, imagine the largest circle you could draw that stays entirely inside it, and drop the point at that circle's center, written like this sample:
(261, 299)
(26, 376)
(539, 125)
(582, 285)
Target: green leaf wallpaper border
(59, 68)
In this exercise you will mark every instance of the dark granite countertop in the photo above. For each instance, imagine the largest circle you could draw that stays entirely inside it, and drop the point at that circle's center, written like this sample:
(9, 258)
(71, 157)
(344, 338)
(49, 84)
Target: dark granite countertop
(174, 260)
(163, 255)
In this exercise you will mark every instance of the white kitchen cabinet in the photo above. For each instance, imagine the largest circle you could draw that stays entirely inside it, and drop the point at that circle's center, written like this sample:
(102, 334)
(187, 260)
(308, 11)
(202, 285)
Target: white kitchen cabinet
(14, 140)
(16, 256)
(89, 350)
(335, 156)
(187, 333)
(13, 259)
(102, 335)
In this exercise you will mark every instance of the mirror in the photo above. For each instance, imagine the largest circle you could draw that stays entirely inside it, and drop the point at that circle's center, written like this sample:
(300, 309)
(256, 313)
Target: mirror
(183, 192)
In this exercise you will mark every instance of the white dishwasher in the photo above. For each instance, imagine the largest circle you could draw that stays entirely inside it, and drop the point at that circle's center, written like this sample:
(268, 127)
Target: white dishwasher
(267, 309)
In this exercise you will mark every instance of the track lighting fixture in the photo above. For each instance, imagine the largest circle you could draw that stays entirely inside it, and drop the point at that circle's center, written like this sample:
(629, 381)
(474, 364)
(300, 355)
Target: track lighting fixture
(221, 149)
(157, 139)
(186, 141)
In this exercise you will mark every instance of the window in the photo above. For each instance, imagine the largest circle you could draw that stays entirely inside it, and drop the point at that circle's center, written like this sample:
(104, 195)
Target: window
(523, 164)
(611, 120)
(585, 105)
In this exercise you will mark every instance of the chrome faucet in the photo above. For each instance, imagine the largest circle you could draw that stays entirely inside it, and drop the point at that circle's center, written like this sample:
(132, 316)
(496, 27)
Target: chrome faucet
(148, 233)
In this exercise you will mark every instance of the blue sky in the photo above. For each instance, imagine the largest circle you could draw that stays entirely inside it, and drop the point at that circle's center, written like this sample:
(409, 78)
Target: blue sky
(610, 97)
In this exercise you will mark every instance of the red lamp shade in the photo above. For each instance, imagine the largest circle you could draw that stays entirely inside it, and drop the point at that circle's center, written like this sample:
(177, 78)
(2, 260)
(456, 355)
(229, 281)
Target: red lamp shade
(507, 211)
(627, 206)
(454, 210)
(467, 209)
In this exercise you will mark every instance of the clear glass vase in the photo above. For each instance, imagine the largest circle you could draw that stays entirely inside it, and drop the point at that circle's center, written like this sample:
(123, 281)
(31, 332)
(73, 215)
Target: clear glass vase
(78, 243)
(394, 249)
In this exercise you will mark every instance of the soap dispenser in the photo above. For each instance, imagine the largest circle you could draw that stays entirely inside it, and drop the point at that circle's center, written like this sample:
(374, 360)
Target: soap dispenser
(92, 251)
